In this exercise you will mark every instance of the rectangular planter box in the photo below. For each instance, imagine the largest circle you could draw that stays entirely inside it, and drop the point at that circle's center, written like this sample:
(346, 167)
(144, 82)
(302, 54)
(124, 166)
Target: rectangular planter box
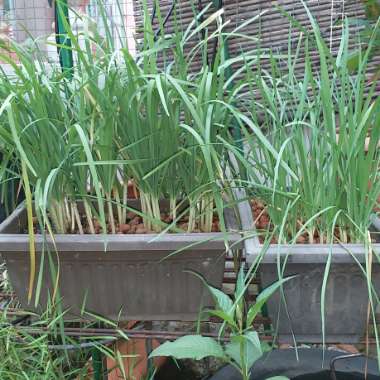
(130, 280)
(346, 299)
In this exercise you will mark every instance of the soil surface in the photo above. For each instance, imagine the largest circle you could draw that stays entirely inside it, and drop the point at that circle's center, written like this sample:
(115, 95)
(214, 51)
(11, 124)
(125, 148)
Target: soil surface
(134, 225)
(264, 224)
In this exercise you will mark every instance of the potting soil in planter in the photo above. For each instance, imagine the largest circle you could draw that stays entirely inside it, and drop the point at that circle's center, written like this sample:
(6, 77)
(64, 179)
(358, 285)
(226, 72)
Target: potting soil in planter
(134, 225)
(264, 224)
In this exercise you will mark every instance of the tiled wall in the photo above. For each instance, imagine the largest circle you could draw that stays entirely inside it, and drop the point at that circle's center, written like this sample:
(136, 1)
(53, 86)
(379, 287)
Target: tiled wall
(21, 20)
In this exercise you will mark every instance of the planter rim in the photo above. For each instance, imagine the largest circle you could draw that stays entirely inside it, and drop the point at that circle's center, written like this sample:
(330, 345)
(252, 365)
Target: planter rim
(90, 243)
(110, 242)
(310, 253)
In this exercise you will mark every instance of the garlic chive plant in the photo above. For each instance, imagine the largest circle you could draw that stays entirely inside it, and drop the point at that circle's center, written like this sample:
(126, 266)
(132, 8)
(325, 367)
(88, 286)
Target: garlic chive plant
(324, 124)
(159, 123)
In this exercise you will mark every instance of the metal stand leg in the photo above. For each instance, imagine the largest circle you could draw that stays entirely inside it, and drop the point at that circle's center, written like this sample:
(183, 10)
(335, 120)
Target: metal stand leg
(98, 364)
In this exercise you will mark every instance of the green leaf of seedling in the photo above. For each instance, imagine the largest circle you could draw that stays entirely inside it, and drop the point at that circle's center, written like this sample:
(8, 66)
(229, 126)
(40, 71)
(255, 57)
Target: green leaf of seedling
(266, 347)
(233, 351)
(190, 347)
(263, 298)
(250, 344)
(223, 301)
(253, 337)
(223, 316)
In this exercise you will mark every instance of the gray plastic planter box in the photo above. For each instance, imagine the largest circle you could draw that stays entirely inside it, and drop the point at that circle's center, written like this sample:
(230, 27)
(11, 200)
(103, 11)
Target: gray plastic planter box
(346, 296)
(130, 281)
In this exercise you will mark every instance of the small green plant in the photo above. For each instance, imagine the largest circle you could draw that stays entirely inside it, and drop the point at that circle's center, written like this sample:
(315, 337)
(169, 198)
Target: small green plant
(37, 347)
(244, 347)
(27, 356)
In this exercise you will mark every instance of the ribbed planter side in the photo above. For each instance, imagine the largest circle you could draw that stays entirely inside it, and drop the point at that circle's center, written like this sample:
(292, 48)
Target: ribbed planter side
(125, 277)
(298, 311)
(346, 299)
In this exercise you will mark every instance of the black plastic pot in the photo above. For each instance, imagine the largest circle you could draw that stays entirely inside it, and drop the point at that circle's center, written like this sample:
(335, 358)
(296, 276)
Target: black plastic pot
(172, 370)
(312, 365)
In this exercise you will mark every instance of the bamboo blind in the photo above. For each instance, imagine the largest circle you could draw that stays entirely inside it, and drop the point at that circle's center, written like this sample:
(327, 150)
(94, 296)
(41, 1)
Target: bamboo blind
(272, 29)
